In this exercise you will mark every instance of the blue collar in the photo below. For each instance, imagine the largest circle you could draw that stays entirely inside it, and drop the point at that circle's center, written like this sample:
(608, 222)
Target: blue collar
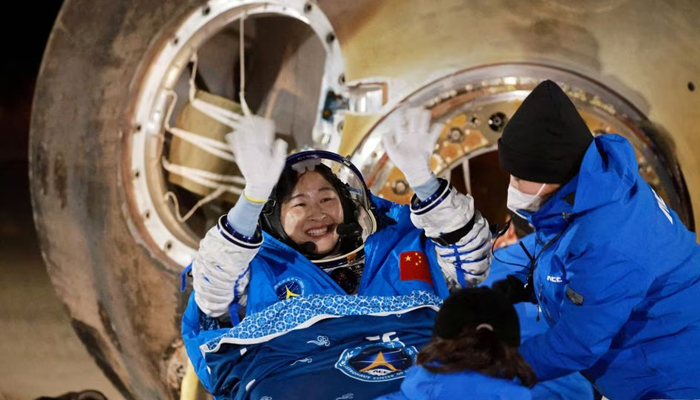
(556, 211)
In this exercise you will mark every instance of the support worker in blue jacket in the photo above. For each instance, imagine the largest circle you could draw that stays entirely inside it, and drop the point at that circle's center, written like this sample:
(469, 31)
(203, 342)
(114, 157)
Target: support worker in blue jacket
(614, 271)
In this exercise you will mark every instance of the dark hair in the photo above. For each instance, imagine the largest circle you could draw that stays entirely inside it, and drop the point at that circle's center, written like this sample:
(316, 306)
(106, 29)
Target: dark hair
(476, 350)
(289, 179)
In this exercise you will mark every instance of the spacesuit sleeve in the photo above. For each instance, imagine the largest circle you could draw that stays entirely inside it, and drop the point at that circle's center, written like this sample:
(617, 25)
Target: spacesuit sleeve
(461, 235)
(220, 270)
(604, 287)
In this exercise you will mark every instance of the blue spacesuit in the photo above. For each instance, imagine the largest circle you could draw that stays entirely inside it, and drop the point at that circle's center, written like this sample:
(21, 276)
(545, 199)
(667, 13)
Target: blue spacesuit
(303, 335)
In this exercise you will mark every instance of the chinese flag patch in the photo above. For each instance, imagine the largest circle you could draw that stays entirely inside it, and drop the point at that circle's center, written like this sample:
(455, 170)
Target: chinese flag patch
(414, 267)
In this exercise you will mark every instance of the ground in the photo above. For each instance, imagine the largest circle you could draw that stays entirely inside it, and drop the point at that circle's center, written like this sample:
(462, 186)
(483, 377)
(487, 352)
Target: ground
(40, 354)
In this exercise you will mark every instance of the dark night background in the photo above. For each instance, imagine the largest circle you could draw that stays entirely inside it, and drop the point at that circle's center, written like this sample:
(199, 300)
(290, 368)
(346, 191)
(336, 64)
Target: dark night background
(40, 355)
(24, 36)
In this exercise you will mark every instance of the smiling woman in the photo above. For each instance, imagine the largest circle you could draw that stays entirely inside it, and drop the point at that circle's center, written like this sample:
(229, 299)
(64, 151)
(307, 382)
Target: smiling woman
(328, 258)
(312, 205)
(312, 212)
(324, 217)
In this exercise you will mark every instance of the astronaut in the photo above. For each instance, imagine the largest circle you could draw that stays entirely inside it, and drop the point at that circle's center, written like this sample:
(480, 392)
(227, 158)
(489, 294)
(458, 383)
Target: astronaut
(340, 287)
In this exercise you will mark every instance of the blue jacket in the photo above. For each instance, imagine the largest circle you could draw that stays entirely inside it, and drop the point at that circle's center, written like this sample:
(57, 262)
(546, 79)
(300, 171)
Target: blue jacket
(617, 278)
(421, 384)
(567, 387)
(303, 337)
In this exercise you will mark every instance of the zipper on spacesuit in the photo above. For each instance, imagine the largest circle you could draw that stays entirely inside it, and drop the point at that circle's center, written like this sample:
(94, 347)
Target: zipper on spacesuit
(539, 309)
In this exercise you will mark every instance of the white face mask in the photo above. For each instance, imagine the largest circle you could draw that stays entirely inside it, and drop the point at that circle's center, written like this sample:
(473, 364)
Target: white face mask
(518, 200)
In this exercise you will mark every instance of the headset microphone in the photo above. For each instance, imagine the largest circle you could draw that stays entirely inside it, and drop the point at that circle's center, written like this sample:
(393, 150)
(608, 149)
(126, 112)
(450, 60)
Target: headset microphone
(350, 236)
(308, 247)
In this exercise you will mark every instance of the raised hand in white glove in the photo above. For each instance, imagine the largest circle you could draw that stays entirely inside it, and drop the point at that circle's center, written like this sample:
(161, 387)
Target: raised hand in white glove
(410, 141)
(220, 273)
(259, 156)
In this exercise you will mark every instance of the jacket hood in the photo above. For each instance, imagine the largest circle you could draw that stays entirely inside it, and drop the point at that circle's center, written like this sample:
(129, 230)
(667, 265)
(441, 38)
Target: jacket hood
(608, 172)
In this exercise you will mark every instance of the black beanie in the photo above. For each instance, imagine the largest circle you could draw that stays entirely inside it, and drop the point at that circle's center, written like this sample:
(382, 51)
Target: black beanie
(546, 138)
(473, 307)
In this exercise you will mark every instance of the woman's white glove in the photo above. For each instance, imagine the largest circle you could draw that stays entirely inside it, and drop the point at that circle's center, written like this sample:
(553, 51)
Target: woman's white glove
(259, 156)
(410, 141)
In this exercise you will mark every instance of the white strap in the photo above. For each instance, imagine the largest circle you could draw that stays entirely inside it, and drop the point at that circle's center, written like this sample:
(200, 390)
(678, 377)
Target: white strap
(211, 196)
(204, 178)
(222, 115)
(213, 146)
(219, 182)
(241, 63)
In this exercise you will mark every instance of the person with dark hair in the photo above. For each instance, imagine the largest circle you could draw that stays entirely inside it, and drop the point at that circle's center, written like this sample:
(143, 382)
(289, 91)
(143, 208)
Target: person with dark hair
(338, 288)
(612, 268)
(473, 352)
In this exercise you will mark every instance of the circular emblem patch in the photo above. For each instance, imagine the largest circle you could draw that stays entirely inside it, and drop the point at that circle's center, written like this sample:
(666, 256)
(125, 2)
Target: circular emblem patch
(289, 288)
(377, 362)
